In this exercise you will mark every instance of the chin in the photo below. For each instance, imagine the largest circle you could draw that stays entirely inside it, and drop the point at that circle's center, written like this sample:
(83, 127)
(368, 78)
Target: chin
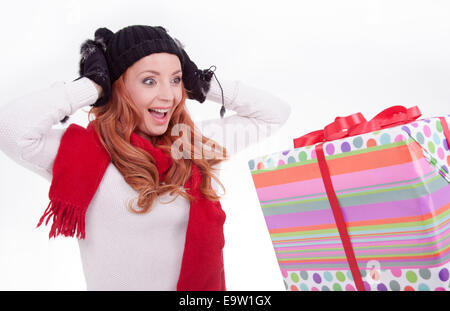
(156, 130)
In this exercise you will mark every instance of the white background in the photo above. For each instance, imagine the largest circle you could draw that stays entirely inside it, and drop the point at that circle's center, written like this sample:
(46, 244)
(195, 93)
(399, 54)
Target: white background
(327, 58)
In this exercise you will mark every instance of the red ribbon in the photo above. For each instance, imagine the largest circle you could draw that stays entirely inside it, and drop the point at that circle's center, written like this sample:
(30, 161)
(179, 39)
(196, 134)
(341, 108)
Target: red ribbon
(354, 124)
(339, 218)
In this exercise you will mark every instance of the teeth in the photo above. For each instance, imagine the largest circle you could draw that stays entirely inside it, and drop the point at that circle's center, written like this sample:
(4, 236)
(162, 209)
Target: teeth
(160, 110)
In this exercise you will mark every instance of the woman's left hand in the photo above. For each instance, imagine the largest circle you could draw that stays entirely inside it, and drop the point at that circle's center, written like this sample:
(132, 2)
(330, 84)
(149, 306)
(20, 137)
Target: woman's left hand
(196, 81)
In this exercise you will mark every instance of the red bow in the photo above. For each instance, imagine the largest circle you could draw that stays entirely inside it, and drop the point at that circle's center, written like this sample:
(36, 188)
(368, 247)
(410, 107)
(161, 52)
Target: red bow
(356, 124)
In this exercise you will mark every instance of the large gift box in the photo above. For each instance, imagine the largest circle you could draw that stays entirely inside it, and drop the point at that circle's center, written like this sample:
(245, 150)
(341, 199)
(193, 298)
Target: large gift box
(361, 205)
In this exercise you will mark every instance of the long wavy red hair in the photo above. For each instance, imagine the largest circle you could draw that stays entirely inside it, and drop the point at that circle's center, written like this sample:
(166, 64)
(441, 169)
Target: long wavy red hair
(114, 124)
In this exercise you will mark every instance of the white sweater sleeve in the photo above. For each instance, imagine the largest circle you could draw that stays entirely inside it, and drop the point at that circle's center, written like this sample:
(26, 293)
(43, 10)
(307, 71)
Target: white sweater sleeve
(26, 134)
(259, 114)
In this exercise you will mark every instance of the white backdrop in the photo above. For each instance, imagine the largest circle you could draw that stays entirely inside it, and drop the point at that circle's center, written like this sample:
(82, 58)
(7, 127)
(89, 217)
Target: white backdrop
(327, 58)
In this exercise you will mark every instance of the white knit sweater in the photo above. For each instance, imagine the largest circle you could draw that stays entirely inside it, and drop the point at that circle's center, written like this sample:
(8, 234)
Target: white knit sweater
(122, 250)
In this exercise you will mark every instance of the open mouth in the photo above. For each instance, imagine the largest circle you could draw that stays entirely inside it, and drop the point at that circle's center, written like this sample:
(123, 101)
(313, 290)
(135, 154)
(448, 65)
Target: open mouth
(159, 116)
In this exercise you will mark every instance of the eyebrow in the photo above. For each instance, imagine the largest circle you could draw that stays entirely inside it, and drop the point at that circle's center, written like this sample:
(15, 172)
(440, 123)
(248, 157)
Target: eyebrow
(157, 73)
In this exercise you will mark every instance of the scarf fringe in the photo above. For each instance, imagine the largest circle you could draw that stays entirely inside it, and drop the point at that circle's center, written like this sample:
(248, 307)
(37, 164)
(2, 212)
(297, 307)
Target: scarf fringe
(68, 219)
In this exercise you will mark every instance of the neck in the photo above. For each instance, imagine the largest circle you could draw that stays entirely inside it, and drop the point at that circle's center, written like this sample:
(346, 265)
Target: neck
(143, 135)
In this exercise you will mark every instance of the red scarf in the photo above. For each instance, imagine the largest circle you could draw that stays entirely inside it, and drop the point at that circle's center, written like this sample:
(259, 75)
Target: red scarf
(77, 172)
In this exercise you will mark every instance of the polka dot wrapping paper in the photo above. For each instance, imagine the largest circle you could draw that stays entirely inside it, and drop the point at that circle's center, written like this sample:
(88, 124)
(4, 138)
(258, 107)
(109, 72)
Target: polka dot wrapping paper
(393, 188)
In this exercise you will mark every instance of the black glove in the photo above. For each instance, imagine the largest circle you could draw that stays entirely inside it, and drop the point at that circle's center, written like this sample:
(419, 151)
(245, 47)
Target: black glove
(93, 65)
(196, 82)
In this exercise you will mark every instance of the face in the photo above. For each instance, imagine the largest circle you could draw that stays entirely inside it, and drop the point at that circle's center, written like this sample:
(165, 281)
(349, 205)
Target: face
(154, 84)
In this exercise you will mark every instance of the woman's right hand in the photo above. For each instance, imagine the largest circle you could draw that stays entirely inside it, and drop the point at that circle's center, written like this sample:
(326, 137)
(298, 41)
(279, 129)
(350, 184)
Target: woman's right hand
(93, 65)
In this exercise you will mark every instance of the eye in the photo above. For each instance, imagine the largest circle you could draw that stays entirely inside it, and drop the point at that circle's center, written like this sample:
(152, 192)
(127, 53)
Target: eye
(149, 79)
(177, 80)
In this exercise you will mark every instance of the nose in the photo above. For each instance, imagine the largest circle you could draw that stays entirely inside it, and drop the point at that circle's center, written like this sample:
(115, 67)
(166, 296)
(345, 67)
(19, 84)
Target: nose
(165, 92)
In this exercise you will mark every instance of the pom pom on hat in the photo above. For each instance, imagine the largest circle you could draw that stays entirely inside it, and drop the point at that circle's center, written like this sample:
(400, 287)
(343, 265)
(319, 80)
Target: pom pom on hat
(103, 36)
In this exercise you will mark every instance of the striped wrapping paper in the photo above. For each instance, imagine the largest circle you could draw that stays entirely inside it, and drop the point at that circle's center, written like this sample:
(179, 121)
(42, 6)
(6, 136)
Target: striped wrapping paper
(394, 192)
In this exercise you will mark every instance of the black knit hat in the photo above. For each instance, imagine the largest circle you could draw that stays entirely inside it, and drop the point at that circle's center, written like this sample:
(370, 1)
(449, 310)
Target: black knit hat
(131, 43)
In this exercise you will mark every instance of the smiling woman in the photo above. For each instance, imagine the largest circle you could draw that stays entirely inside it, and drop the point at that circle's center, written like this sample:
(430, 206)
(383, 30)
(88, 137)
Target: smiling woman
(156, 92)
(145, 220)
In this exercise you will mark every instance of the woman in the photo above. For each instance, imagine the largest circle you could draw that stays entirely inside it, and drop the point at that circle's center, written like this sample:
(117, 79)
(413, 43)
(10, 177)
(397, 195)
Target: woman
(137, 186)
